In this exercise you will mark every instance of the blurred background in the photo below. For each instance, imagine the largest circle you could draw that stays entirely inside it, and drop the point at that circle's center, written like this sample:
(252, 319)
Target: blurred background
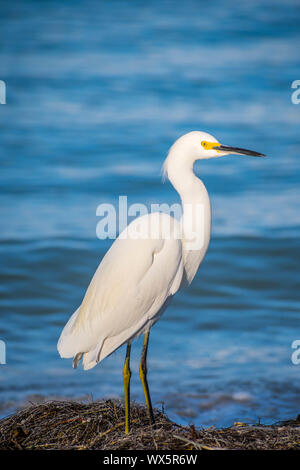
(96, 94)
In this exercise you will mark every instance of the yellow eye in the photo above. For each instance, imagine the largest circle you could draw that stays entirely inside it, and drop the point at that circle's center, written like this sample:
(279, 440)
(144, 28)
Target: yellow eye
(204, 143)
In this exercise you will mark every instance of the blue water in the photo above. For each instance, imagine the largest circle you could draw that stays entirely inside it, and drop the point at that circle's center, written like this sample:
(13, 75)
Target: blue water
(96, 94)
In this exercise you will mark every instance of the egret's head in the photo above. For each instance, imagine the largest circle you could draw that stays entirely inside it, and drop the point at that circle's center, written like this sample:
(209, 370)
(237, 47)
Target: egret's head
(198, 145)
(202, 145)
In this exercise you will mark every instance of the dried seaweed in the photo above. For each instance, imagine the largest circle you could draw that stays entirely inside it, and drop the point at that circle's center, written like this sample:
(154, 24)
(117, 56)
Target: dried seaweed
(100, 425)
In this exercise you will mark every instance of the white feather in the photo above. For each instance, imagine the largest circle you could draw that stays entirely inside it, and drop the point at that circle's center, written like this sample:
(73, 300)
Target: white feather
(145, 266)
(125, 294)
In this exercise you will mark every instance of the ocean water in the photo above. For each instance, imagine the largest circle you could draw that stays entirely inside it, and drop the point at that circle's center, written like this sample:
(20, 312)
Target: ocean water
(96, 94)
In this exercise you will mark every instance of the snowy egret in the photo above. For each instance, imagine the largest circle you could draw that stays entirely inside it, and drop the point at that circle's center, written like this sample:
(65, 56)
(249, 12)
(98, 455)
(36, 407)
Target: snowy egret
(138, 276)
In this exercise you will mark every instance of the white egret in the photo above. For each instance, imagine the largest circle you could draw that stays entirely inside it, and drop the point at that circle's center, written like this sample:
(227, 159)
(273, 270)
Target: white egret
(139, 275)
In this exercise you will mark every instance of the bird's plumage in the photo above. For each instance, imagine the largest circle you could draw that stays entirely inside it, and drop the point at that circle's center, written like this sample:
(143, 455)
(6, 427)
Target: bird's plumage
(144, 268)
(126, 295)
(147, 264)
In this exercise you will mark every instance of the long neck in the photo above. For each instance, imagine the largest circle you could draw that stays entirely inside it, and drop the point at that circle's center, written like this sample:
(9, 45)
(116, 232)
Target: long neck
(196, 216)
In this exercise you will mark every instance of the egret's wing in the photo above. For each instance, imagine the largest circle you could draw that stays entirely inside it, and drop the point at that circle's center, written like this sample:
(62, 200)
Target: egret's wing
(130, 286)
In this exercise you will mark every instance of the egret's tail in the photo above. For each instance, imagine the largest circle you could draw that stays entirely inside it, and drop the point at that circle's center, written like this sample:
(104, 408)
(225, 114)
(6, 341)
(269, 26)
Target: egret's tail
(108, 345)
(102, 350)
(67, 345)
(76, 343)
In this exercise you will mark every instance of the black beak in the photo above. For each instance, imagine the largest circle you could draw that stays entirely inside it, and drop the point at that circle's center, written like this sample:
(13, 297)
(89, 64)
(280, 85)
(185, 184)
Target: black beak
(225, 148)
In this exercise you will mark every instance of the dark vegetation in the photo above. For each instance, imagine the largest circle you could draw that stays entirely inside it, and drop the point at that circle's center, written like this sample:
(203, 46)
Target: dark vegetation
(100, 425)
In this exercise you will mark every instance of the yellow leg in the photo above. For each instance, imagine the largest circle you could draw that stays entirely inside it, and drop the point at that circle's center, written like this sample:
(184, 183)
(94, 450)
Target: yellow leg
(143, 377)
(126, 379)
